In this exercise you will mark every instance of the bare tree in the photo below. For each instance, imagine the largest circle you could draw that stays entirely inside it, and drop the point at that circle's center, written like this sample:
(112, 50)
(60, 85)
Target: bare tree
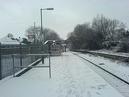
(84, 37)
(34, 34)
(103, 32)
(107, 27)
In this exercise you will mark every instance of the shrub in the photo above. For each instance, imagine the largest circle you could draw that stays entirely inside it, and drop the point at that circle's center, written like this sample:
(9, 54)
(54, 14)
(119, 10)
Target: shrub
(123, 46)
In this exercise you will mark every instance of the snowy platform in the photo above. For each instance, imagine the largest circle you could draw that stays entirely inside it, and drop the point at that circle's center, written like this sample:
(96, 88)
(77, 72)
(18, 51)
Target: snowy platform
(118, 68)
(70, 78)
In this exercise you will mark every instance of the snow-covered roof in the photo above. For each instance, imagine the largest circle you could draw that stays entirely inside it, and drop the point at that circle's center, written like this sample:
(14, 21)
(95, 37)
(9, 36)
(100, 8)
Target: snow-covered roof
(9, 41)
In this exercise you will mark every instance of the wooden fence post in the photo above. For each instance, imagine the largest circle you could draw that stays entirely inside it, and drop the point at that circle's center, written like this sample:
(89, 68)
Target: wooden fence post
(20, 55)
(13, 66)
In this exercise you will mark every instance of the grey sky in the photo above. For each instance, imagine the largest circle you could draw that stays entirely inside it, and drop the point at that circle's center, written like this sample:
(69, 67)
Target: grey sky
(17, 15)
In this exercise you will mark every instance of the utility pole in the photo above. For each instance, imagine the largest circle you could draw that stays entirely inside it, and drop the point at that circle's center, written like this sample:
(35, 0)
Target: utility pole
(34, 33)
(42, 25)
(0, 63)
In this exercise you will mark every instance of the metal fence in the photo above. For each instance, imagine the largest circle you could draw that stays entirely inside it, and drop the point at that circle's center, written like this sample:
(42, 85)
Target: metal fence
(26, 68)
(6, 60)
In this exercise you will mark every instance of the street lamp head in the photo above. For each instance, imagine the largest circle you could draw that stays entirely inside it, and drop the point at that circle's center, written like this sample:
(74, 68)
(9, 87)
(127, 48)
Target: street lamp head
(47, 9)
(50, 8)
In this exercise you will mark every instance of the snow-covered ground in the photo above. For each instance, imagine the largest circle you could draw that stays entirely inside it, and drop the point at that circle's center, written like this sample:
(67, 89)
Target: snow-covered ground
(112, 52)
(70, 78)
(118, 68)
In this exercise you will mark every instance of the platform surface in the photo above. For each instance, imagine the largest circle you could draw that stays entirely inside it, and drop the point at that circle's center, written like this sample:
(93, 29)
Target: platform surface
(71, 77)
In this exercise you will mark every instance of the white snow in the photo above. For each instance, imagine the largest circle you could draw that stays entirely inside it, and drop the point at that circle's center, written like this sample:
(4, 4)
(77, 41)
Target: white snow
(111, 52)
(7, 40)
(70, 78)
(118, 68)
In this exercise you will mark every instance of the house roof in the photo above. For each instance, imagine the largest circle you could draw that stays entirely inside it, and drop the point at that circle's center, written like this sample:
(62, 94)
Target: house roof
(9, 41)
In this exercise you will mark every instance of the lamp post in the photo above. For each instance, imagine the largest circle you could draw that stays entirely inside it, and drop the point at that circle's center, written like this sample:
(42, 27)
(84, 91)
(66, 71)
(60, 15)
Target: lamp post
(41, 20)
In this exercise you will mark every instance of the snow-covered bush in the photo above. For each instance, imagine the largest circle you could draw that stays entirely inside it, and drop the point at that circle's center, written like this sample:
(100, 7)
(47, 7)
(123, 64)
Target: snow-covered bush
(123, 46)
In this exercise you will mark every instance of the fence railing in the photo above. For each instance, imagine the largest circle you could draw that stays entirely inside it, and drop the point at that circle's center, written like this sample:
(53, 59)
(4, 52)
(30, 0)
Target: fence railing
(21, 59)
(21, 55)
(42, 56)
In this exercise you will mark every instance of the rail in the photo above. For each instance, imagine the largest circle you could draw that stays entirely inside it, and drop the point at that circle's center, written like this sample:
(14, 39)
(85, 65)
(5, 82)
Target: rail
(42, 59)
(121, 57)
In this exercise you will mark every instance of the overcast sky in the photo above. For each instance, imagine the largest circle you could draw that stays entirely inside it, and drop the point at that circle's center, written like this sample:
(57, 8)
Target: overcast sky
(17, 15)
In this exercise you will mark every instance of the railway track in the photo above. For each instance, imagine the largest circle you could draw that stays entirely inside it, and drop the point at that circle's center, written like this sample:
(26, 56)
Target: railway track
(121, 85)
(122, 57)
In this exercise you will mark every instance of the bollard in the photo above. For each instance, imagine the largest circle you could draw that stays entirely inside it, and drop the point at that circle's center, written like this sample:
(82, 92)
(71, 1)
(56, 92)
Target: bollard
(49, 66)
(42, 59)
